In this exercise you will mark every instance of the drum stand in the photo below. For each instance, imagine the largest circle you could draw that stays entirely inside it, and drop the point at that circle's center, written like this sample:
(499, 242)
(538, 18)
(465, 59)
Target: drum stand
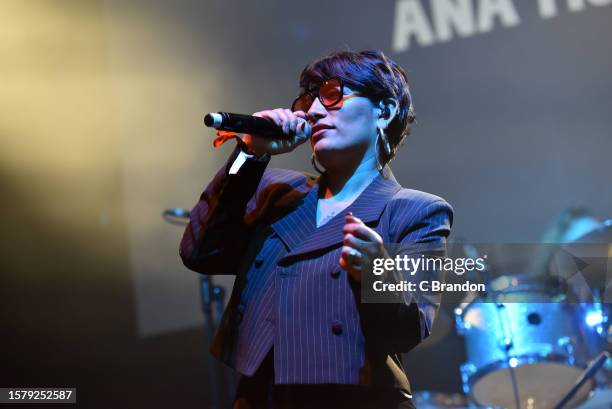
(212, 302)
(594, 366)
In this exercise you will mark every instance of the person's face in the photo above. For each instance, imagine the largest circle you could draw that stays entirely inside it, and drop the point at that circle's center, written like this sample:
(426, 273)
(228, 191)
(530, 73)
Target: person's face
(344, 131)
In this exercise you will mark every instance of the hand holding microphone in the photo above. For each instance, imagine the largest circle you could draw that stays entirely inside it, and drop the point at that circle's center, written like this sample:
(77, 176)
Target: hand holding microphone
(279, 131)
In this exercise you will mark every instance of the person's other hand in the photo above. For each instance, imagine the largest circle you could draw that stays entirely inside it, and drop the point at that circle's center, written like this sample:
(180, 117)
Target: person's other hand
(361, 245)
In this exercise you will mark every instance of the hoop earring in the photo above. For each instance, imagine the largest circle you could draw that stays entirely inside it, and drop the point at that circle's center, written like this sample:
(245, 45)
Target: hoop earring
(314, 164)
(380, 133)
(379, 167)
(383, 137)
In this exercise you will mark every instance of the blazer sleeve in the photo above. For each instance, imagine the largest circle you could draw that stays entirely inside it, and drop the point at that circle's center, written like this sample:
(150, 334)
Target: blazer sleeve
(217, 235)
(400, 326)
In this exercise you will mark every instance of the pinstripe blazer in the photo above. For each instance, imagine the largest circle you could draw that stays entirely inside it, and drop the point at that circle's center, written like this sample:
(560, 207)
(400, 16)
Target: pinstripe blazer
(290, 293)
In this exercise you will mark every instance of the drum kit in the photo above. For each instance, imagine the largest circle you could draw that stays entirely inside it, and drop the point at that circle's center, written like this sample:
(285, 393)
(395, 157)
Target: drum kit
(532, 342)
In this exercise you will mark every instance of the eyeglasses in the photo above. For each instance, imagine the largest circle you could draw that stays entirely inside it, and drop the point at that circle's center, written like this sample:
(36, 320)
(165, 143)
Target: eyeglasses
(330, 94)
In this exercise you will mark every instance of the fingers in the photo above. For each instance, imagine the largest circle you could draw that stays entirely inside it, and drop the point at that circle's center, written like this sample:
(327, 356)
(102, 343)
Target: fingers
(350, 254)
(291, 123)
(353, 247)
(361, 245)
(364, 249)
(351, 262)
(354, 242)
(285, 118)
(349, 218)
(270, 115)
(303, 131)
(302, 114)
(294, 125)
(354, 226)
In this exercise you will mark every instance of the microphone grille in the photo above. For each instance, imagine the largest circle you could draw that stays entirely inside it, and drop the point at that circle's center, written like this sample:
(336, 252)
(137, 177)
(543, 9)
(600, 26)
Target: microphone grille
(213, 119)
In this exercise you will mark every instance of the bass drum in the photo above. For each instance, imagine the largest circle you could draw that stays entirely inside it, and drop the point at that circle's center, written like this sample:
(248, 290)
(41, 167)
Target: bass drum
(525, 345)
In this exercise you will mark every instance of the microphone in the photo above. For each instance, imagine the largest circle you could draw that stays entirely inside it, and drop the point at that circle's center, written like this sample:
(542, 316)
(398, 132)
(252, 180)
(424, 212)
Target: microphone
(225, 121)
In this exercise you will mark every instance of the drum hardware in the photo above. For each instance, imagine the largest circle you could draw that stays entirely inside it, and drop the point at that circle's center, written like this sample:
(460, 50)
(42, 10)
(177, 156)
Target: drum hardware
(212, 302)
(567, 343)
(507, 345)
(594, 366)
(439, 400)
(505, 327)
(211, 296)
(600, 398)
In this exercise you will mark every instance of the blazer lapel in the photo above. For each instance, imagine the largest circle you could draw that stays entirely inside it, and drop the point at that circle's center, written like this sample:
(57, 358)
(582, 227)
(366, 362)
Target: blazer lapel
(300, 222)
(305, 237)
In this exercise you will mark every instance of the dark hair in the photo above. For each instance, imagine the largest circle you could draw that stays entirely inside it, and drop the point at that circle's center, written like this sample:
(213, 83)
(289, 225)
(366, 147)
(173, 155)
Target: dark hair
(371, 73)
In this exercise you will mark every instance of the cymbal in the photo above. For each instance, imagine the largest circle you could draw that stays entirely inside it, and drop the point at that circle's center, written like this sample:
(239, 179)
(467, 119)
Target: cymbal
(602, 234)
(176, 215)
(585, 260)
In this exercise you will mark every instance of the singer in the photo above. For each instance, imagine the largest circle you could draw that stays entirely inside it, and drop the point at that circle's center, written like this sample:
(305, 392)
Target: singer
(295, 327)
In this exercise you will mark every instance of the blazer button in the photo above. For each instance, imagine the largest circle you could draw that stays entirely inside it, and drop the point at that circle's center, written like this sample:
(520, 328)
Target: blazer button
(258, 263)
(336, 274)
(336, 327)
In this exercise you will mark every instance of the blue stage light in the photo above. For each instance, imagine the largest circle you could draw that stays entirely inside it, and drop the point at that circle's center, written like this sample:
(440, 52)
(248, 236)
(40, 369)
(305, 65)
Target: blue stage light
(593, 318)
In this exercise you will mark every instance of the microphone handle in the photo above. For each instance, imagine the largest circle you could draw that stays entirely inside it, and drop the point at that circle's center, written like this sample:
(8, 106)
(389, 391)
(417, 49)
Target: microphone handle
(226, 121)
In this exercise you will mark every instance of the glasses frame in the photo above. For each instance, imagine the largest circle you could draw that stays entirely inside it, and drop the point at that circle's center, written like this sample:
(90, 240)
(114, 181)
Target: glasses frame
(317, 95)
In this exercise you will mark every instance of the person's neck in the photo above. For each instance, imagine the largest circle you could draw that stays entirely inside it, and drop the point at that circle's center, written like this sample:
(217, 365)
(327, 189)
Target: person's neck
(349, 181)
